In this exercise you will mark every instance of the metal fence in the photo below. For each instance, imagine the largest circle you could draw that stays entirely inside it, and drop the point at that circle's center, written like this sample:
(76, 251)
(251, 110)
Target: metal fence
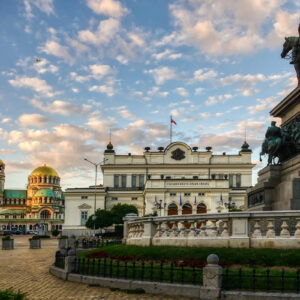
(59, 260)
(173, 272)
(261, 280)
(95, 243)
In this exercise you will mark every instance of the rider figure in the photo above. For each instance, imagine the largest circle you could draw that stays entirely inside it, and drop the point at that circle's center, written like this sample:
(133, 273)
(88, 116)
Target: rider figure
(296, 50)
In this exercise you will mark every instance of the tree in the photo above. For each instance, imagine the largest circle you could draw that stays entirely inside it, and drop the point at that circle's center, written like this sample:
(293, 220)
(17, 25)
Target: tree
(119, 211)
(104, 218)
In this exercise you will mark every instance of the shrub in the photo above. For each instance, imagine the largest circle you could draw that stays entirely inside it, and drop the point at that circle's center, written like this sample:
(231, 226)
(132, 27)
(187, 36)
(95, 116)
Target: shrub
(6, 238)
(55, 232)
(35, 237)
(9, 294)
(63, 237)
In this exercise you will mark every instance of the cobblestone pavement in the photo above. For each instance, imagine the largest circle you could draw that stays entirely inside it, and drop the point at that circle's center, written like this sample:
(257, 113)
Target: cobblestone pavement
(27, 270)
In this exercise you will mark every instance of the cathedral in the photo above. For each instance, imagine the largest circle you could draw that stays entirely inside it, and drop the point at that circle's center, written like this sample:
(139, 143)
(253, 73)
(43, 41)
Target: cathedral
(40, 205)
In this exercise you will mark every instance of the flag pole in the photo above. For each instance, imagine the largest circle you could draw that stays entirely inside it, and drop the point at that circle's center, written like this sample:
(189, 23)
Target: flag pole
(170, 129)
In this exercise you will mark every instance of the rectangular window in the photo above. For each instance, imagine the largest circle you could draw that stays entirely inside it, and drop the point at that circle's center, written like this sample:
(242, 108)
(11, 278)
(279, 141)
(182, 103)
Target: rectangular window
(213, 176)
(133, 181)
(187, 194)
(230, 180)
(168, 177)
(172, 194)
(14, 216)
(6, 216)
(123, 181)
(141, 180)
(134, 198)
(84, 197)
(114, 198)
(84, 217)
(221, 176)
(116, 181)
(195, 177)
(238, 180)
(201, 194)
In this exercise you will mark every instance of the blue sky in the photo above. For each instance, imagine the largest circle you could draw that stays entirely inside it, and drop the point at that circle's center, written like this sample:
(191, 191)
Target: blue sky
(127, 66)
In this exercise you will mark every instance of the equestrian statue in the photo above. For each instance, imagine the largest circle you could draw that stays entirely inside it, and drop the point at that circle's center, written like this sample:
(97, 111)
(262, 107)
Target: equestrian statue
(293, 43)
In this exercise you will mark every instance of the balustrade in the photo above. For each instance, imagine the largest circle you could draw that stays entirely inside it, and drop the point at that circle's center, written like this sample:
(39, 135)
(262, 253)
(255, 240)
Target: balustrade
(240, 229)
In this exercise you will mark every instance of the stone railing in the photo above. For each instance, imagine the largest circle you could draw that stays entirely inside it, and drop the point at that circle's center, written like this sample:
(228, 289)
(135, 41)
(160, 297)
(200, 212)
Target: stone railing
(265, 229)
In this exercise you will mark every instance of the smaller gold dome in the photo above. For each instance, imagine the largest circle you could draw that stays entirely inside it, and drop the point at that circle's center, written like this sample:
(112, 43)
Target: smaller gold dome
(44, 171)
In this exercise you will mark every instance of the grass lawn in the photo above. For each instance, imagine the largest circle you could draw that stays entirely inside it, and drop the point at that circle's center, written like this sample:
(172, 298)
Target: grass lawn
(228, 256)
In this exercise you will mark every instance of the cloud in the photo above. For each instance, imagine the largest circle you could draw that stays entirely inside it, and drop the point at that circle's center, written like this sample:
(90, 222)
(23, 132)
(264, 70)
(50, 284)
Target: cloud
(109, 8)
(122, 60)
(38, 85)
(162, 74)
(212, 100)
(167, 54)
(205, 74)
(99, 71)
(35, 120)
(105, 33)
(205, 116)
(79, 78)
(52, 47)
(126, 114)
(182, 92)
(226, 28)
(45, 6)
(263, 104)
(107, 89)
(61, 107)
(156, 92)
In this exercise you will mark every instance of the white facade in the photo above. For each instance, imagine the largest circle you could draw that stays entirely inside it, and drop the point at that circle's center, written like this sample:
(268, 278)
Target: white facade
(174, 180)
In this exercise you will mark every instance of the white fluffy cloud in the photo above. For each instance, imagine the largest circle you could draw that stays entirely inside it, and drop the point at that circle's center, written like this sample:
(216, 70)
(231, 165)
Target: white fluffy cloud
(61, 107)
(109, 8)
(52, 47)
(182, 92)
(162, 74)
(34, 120)
(38, 85)
(230, 27)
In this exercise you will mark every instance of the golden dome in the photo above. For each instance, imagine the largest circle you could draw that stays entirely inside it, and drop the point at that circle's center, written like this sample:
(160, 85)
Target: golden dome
(44, 171)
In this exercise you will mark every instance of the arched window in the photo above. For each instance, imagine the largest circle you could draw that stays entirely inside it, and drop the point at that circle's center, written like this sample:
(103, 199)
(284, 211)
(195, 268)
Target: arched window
(30, 227)
(35, 179)
(19, 201)
(187, 209)
(45, 199)
(40, 199)
(201, 208)
(45, 179)
(45, 214)
(40, 179)
(15, 201)
(50, 179)
(172, 209)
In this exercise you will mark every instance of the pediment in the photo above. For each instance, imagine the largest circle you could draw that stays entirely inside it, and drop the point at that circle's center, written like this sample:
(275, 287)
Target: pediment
(84, 206)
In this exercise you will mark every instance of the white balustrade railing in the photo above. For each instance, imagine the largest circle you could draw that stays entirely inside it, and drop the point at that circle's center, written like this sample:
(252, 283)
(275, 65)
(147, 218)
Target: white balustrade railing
(265, 229)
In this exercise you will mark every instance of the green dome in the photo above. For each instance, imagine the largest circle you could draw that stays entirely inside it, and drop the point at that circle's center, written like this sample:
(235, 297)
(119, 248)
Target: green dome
(44, 171)
(44, 193)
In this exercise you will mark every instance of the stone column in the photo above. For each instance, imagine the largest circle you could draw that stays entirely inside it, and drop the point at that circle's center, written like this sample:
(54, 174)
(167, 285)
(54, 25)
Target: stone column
(70, 261)
(212, 278)
(127, 218)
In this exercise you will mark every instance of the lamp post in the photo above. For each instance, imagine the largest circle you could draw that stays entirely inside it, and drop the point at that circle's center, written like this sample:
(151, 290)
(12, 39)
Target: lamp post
(160, 206)
(230, 205)
(95, 188)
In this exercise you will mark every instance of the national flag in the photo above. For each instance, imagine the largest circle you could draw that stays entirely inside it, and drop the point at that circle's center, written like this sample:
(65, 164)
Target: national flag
(195, 201)
(180, 201)
(172, 121)
(221, 199)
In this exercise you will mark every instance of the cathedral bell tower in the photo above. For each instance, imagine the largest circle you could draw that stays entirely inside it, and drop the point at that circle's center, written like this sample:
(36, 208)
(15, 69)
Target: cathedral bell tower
(2, 175)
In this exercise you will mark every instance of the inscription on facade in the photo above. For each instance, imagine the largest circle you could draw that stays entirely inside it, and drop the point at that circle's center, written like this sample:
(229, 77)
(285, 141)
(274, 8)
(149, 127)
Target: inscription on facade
(187, 183)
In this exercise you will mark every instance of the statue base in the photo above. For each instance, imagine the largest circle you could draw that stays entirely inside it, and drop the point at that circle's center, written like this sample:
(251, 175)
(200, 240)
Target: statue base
(278, 187)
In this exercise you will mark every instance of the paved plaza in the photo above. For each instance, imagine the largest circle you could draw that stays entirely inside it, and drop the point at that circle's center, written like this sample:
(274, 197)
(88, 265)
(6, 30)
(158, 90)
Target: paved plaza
(28, 270)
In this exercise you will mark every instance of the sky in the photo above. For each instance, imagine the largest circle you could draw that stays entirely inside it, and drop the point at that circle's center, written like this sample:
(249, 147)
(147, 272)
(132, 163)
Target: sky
(71, 71)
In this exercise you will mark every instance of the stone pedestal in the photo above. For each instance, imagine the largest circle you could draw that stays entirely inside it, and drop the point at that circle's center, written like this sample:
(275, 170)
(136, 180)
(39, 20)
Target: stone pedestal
(7, 244)
(35, 244)
(278, 187)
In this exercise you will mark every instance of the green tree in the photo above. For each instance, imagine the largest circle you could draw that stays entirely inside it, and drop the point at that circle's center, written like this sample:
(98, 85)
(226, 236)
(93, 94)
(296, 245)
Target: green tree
(119, 211)
(104, 218)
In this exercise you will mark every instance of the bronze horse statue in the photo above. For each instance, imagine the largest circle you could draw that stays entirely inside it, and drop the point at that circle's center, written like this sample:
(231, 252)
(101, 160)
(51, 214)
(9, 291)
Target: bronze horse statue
(293, 43)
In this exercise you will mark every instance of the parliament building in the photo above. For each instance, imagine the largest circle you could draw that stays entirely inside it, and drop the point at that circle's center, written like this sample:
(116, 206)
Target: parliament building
(40, 205)
(174, 180)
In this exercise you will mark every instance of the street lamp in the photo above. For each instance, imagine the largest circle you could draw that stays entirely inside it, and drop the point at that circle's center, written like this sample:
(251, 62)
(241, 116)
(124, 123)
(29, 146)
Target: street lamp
(160, 206)
(230, 205)
(96, 169)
